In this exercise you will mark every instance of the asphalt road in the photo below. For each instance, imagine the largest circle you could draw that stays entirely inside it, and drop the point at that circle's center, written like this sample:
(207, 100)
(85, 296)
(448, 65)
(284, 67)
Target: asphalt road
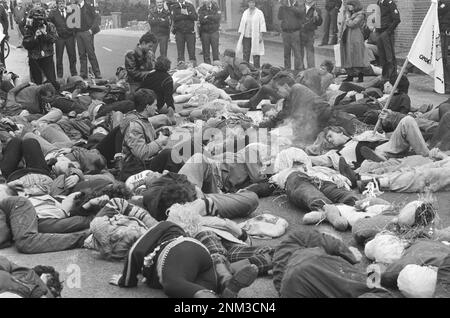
(87, 276)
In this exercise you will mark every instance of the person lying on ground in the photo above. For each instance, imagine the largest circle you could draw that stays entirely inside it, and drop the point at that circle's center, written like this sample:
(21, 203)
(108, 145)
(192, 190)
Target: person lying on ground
(227, 172)
(19, 223)
(317, 79)
(181, 266)
(30, 97)
(21, 282)
(231, 70)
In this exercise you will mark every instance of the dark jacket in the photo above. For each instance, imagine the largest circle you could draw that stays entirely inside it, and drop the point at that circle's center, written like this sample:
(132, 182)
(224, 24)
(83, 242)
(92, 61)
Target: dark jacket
(181, 22)
(331, 4)
(21, 281)
(138, 64)
(60, 23)
(444, 15)
(19, 14)
(311, 23)
(390, 17)
(89, 19)
(162, 84)
(160, 22)
(135, 263)
(41, 46)
(4, 20)
(291, 17)
(209, 19)
(233, 71)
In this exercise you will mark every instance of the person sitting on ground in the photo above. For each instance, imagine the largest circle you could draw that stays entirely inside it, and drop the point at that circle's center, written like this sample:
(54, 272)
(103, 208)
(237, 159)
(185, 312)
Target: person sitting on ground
(161, 83)
(38, 282)
(140, 61)
(181, 266)
(318, 79)
(143, 147)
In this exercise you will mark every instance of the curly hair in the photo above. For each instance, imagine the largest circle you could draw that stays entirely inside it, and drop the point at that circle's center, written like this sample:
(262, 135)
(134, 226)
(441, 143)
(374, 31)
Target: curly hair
(163, 64)
(171, 194)
(53, 283)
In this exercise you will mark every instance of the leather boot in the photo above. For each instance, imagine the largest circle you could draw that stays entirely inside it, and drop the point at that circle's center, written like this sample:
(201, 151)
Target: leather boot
(223, 271)
(361, 78)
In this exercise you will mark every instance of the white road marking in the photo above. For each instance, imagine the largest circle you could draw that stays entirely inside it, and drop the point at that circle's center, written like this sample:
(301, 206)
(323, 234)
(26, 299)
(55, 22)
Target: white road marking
(105, 48)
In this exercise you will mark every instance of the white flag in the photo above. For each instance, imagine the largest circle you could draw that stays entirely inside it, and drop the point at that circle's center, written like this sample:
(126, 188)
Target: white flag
(426, 53)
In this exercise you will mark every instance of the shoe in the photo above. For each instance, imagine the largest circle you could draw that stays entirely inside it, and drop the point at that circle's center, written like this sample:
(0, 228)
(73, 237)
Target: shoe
(348, 79)
(335, 218)
(137, 180)
(205, 294)
(361, 78)
(314, 218)
(348, 172)
(371, 155)
(243, 278)
(362, 184)
(263, 189)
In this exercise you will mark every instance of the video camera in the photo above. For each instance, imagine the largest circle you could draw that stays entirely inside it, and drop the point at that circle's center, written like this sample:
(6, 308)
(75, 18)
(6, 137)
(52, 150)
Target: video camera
(37, 19)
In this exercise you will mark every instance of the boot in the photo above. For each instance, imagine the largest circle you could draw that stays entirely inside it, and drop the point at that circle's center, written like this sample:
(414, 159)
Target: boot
(229, 285)
(205, 294)
(361, 78)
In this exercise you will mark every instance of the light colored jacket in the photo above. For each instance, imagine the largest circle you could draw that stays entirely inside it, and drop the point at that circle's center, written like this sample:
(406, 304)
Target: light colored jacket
(258, 27)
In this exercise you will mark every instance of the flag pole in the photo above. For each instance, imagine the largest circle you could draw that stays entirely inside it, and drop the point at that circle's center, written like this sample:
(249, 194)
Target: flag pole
(388, 103)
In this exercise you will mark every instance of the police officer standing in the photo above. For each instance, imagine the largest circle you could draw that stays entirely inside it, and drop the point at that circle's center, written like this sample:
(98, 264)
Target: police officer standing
(444, 23)
(390, 19)
(160, 21)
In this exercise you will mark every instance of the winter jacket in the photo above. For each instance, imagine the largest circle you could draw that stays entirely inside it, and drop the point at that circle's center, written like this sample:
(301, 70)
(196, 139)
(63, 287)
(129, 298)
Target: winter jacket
(160, 22)
(138, 64)
(4, 20)
(21, 281)
(233, 71)
(209, 18)
(353, 47)
(181, 22)
(91, 161)
(311, 23)
(118, 226)
(291, 17)
(42, 46)
(25, 95)
(139, 141)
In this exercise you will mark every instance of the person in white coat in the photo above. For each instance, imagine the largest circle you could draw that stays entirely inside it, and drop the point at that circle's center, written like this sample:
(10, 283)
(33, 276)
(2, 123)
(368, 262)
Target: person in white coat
(252, 27)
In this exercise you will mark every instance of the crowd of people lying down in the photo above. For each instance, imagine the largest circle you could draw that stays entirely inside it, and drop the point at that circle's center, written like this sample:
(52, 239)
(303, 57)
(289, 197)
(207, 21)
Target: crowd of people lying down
(117, 166)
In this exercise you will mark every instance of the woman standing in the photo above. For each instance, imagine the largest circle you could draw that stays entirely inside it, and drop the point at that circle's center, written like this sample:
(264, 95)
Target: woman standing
(252, 27)
(353, 50)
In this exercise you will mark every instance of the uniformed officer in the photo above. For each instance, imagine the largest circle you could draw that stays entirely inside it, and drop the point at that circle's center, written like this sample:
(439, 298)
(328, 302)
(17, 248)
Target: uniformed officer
(444, 23)
(390, 19)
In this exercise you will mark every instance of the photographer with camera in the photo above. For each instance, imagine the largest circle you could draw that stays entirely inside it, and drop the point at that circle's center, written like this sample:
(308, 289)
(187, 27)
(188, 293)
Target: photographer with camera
(39, 39)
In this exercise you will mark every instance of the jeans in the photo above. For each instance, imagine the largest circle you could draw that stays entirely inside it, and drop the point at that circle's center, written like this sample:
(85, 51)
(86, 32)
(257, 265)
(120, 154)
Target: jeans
(247, 51)
(24, 227)
(44, 65)
(71, 224)
(307, 48)
(234, 205)
(407, 135)
(70, 46)
(433, 177)
(86, 50)
(330, 27)
(305, 193)
(17, 149)
(441, 138)
(291, 41)
(183, 40)
(210, 41)
(163, 43)
(386, 51)
(265, 92)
